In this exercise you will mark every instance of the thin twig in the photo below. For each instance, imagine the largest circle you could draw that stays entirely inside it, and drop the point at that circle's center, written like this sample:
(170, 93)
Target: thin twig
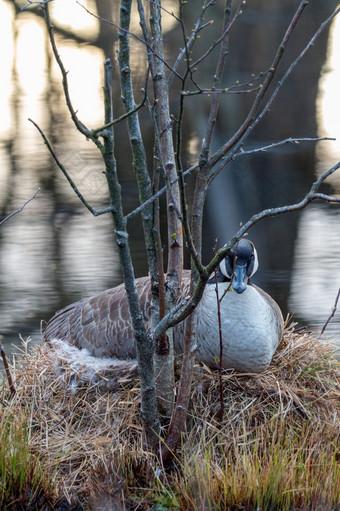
(79, 125)
(158, 194)
(140, 39)
(332, 313)
(68, 177)
(189, 42)
(163, 344)
(218, 75)
(184, 203)
(233, 154)
(220, 39)
(213, 90)
(61, 31)
(21, 208)
(97, 131)
(282, 142)
(248, 83)
(221, 410)
(8, 372)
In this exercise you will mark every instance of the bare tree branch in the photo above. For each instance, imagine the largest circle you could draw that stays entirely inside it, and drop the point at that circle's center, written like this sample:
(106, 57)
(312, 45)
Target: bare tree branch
(165, 152)
(218, 300)
(98, 131)
(289, 140)
(189, 42)
(74, 187)
(21, 208)
(310, 44)
(220, 91)
(195, 258)
(7, 370)
(233, 155)
(79, 125)
(220, 39)
(332, 313)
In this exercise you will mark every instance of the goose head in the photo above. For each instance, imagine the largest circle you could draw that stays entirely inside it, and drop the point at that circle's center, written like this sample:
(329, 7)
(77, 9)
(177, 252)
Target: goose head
(240, 264)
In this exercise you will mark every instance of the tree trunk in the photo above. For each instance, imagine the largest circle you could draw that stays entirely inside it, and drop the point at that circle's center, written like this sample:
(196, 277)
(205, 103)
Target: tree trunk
(164, 357)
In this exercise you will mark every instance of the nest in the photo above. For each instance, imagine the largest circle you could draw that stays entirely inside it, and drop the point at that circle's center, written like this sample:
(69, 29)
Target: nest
(89, 435)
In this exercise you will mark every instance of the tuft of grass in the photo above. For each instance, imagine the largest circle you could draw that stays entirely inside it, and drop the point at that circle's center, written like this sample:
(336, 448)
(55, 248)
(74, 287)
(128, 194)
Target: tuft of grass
(24, 484)
(276, 448)
(270, 468)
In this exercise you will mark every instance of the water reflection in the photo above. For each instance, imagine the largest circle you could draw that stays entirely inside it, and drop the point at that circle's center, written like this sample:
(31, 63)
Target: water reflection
(328, 106)
(85, 79)
(55, 252)
(316, 270)
(73, 17)
(6, 41)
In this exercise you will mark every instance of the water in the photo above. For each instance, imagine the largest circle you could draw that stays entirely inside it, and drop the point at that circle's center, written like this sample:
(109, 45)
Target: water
(55, 252)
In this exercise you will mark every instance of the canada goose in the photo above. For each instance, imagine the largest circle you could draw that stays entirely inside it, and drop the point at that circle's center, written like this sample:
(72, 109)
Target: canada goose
(252, 322)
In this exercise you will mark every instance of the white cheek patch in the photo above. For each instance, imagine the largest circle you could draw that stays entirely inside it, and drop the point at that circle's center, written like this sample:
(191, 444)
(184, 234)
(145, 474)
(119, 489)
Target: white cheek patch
(223, 269)
(256, 263)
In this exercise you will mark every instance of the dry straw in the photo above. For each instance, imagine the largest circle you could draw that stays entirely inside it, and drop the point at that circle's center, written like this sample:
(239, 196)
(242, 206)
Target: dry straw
(279, 431)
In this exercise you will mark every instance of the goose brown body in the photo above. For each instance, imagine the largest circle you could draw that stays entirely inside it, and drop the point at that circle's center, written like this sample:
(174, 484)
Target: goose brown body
(102, 323)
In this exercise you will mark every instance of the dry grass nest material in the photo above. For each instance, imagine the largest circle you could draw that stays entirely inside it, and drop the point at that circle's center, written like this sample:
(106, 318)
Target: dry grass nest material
(91, 440)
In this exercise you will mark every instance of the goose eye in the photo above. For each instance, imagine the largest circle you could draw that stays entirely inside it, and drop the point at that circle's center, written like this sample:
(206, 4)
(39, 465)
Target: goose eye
(250, 265)
(229, 264)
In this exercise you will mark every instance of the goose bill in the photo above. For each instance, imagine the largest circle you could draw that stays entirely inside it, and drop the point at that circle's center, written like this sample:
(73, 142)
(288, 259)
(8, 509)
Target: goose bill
(240, 278)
